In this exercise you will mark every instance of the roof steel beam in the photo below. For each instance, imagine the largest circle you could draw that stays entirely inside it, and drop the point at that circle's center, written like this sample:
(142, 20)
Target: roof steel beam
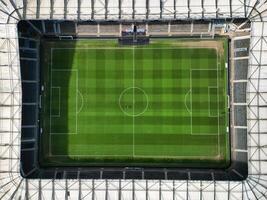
(15, 8)
(51, 9)
(65, 8)
(16, 190)
(106, 9)
(147, 9)
(93, 189)
(147, 197)
(92, 9)
(38, 4)
(254, 9)
(159, 189)
(79, 9)
(214, 194)
(9, 15)
(230, 4)
(53, 188)
(119, 9)
(66, 187)
(202, 6)
(216, 6)
(26, 189)
(174, 9)
(161, 9)
(188, 7)
(106, 189)
(80, 186)
(39, 189)
(133, 9)
(133, 190)
(119, 191)
(173, 190)
(245, 8)
(25, 4)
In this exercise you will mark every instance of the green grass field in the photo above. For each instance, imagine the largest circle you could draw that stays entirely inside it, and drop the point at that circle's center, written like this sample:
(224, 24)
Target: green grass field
(164, 104)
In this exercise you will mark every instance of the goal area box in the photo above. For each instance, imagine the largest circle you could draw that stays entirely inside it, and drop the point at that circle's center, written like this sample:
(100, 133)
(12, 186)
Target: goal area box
(32, 33)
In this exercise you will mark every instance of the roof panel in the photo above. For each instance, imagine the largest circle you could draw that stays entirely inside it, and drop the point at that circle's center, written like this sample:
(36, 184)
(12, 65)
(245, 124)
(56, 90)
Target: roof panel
(85, 9)
(31, 9)
(196, 9)
(238, 8)
(256, 29)
(127, 9)
(154, 9)
(168, 9)
(210, 9)
(58, 12)
(72, 8)
(263, 59)
(181, 9)
(113, 10)
(224, 8)
(140, 9)
(263, 115)
(45, 9)
(99, 9)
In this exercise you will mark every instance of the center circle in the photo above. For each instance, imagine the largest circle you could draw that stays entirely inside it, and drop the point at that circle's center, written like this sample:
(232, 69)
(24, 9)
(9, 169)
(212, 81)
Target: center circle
(133, 101)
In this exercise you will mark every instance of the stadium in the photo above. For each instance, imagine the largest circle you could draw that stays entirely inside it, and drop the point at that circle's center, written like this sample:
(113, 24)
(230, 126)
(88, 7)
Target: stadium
(133, 99)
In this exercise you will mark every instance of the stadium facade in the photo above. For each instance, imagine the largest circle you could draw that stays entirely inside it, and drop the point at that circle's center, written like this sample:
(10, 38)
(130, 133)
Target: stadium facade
(253, 127)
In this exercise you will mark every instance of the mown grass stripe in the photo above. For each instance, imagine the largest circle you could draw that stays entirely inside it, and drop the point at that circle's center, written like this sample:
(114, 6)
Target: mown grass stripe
(163, 74)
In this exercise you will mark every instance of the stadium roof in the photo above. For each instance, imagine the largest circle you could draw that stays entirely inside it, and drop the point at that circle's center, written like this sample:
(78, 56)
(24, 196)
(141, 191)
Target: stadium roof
(13, 186)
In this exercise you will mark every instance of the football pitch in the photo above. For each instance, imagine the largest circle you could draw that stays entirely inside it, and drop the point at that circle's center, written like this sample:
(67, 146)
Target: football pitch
(162, 104)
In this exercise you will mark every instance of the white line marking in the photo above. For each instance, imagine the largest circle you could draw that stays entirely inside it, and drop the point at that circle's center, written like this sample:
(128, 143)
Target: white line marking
(185, 101)
(133, 80)
(82, 101)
